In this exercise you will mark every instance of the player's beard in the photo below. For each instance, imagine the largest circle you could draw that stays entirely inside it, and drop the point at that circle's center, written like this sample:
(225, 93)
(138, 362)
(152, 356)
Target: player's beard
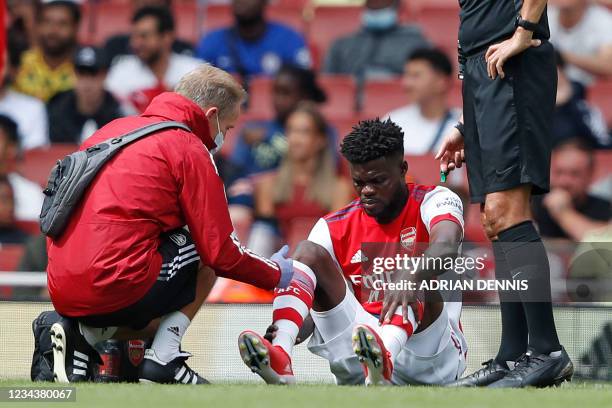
(395, 206)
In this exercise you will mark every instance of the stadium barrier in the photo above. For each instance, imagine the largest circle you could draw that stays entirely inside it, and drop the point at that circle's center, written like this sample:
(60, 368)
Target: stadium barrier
(212, 338)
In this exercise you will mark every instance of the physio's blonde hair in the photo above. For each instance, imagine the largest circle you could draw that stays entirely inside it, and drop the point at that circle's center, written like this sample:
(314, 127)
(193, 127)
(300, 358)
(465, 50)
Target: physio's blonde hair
(209, 86)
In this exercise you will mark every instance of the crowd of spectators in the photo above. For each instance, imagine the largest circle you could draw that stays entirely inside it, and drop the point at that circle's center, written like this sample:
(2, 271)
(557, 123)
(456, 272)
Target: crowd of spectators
(283, 172)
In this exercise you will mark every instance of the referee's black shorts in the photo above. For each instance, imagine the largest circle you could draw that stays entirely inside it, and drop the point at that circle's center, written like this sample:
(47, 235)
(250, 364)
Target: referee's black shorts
(508, 122)
(174, 289)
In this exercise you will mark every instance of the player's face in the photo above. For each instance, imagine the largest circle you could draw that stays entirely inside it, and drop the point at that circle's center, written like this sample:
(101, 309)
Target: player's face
(381, 187)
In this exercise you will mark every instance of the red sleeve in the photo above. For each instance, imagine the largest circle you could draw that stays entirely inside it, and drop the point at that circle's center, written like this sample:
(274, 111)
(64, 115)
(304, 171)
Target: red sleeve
(204, 206)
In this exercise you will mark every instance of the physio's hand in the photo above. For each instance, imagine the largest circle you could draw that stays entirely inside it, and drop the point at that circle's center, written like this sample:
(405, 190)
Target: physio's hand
(286, 266)
(451, 154)
(497, 54)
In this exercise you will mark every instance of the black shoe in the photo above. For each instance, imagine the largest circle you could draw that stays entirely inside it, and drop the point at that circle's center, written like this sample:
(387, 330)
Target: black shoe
(491, 372)
(538, 370)
(73, 357)
(152, 370)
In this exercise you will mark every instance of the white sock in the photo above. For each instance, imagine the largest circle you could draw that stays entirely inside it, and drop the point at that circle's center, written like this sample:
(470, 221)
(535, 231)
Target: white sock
(286, 335)
(94, 335)
(394, 338)
(167, 341)
(292, 305)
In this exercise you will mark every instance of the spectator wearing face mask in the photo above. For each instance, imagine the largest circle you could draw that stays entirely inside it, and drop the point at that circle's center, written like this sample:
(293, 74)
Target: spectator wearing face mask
(379, 48)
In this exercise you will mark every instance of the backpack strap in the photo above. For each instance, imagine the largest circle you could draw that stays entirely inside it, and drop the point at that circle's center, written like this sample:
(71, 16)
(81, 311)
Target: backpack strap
(118, 142)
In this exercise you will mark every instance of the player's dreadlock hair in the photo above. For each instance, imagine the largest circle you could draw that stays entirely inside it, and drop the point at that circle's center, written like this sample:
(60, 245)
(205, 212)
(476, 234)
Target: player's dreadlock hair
(372, 139)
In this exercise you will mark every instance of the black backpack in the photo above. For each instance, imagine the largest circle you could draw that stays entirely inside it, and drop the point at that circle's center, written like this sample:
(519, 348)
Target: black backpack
(71, 176)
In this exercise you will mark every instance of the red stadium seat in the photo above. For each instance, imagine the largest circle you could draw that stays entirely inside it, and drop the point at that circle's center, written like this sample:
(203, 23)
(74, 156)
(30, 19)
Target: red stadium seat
(186, 21)
(103, 19)
(30, 227)
(440, 24)
(343, 125)
(37, 163)
(330, 23)
(260, 97)
(10, 256)
(423, 170)
(9, 260)
(600, 95)
(341, 93)
(455, 99)
(382, 96)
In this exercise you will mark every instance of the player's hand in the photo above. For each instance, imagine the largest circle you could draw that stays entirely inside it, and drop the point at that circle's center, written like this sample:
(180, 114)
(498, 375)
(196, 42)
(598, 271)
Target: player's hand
(497, 54)
(451, 154)
(286, 266)
(396, 298)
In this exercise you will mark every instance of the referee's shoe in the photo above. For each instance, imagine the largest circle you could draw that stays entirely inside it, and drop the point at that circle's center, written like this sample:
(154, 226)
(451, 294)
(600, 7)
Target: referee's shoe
(538, 370)
(73, 357)
(490, 372)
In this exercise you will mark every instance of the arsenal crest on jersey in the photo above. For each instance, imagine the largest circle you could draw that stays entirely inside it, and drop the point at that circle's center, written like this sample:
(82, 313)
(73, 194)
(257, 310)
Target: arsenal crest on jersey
(408, 238)
(136, 349)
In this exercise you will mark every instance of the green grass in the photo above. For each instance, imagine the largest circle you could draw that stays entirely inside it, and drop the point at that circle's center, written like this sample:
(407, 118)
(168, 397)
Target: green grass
(577, 395)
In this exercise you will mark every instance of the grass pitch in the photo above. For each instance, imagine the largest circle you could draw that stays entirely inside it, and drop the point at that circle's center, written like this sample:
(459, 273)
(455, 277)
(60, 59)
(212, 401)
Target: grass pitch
(579, 395)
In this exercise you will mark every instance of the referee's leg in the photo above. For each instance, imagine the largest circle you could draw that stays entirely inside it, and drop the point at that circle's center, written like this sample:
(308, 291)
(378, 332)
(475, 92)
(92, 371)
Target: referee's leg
(507, 219)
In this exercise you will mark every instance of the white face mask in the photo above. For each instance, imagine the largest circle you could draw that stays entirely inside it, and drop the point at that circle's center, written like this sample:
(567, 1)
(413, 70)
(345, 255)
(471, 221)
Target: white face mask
(379, 20)
(219, 138)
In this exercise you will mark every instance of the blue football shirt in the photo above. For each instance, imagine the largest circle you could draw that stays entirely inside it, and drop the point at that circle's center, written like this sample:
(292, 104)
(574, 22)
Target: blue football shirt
(280, 44)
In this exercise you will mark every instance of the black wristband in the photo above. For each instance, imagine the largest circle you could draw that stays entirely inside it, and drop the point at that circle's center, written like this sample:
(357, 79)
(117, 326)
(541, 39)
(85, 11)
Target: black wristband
(459, 126)
(527, 25)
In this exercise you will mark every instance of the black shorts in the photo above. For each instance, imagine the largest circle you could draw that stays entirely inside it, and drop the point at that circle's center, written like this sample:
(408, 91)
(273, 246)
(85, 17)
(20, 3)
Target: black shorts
(174, 289)
(508, 122)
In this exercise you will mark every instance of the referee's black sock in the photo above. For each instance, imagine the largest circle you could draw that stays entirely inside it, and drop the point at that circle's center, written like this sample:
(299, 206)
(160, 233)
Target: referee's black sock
(514, 325)
(526, 256)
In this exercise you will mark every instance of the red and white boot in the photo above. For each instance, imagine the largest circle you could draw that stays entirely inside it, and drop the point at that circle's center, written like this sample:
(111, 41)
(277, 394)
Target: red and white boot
(373, 355)
(268, 361)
